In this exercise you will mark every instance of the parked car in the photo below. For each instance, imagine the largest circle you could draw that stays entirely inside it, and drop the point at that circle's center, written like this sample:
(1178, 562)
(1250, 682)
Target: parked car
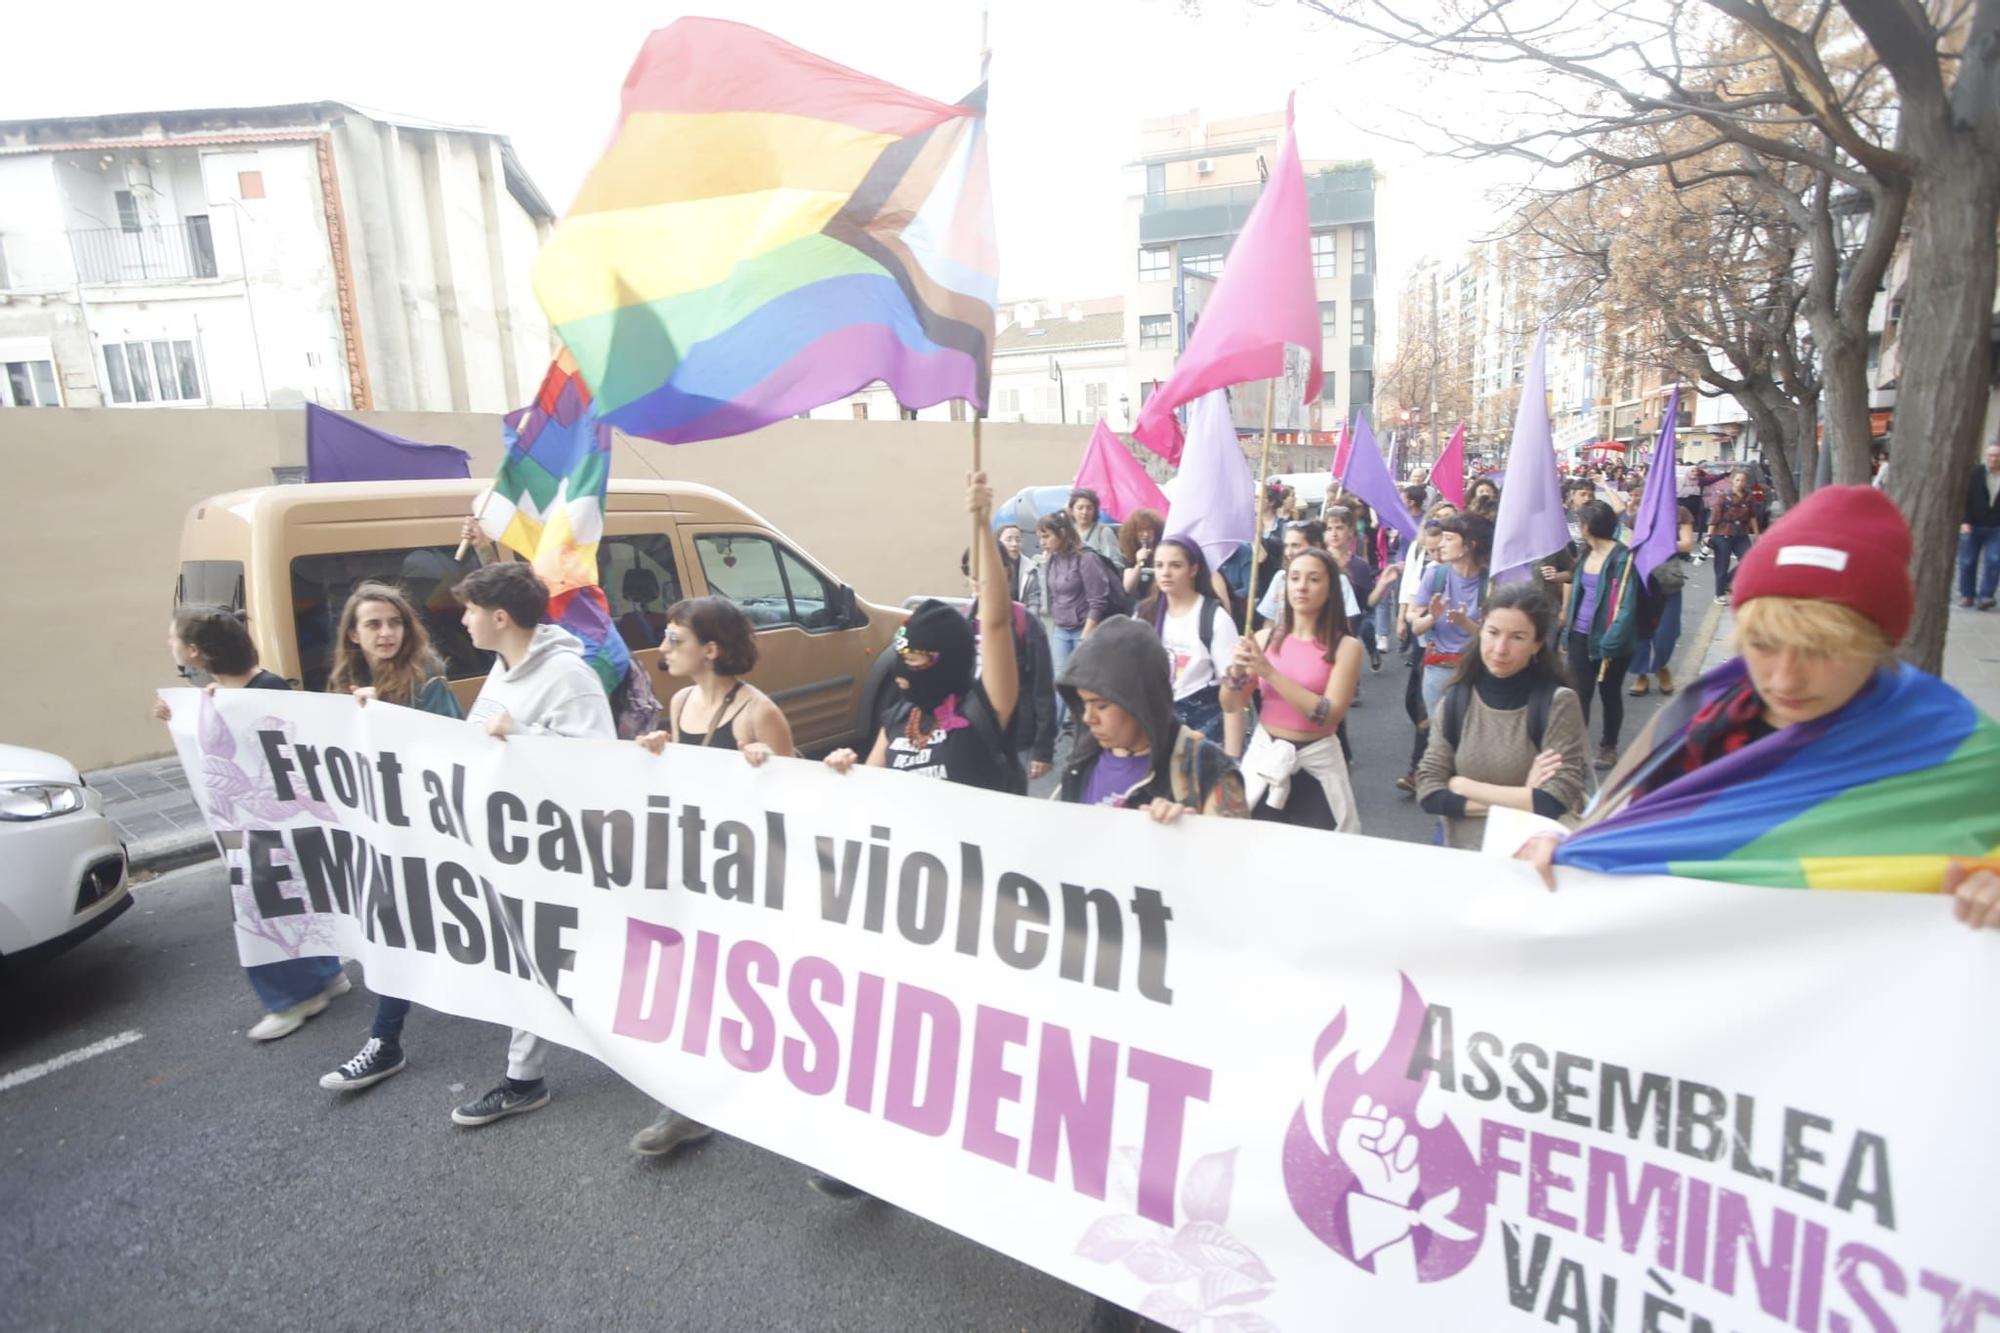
(290, 555)
(65, 868)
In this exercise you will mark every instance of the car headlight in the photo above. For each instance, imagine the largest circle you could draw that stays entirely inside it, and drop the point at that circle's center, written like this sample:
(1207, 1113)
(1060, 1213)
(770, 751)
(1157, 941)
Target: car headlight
(38, 800)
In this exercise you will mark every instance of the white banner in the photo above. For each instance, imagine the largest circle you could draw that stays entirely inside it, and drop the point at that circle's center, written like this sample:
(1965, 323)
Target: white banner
(1235, 1076)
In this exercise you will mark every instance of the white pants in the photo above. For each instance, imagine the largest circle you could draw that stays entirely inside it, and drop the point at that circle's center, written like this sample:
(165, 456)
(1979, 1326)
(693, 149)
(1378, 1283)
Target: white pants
(526, 1053)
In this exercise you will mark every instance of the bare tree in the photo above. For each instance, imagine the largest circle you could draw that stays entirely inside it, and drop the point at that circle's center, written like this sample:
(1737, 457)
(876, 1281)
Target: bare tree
(1895, 101)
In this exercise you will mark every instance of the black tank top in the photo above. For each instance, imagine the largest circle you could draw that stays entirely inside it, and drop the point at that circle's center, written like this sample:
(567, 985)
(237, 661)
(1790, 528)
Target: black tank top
(725, 739)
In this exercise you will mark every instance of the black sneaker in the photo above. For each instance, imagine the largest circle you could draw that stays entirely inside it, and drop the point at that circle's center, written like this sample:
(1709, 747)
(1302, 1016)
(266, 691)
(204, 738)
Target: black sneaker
(375, 1063)
(832, 1188)
(667, 1133)
(499, 1104)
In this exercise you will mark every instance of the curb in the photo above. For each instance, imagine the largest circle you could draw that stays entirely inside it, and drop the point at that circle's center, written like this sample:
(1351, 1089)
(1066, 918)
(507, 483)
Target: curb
(159, 855)
(1696, 651)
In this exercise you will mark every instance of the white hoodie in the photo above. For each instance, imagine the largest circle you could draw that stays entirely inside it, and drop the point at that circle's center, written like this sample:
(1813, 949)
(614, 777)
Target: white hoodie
(551, 691)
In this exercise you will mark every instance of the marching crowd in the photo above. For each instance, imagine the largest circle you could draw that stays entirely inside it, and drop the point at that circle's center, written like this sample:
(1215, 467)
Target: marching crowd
(1161, 682)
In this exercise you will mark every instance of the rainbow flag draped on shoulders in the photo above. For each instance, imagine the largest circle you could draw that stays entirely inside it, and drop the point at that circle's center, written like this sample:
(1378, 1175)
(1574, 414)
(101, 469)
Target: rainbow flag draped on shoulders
(770, 231)
(1879, 795)
(547, 503)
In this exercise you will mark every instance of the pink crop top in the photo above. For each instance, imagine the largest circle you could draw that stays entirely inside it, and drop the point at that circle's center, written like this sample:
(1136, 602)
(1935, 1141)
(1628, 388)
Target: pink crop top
(1302, 661)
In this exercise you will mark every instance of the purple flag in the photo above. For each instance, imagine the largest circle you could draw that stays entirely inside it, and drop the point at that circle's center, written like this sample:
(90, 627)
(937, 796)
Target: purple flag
(340, 448)
(1656, 530)
(1368, 477)
(1531, 523)
(1214, 497)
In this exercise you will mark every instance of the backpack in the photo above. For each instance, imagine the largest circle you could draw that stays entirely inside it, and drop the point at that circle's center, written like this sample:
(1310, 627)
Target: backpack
(1210, 609)
(978, 710)
(1119, 602)
(1671, 576)
(1452, 716)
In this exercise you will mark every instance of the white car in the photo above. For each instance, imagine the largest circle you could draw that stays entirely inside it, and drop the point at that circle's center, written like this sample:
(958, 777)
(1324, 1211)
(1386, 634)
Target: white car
(62, 867)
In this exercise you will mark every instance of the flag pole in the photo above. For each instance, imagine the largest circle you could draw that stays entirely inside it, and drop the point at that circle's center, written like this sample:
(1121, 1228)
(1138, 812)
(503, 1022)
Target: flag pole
(978, 529)
(1256, 526)
(478, 509)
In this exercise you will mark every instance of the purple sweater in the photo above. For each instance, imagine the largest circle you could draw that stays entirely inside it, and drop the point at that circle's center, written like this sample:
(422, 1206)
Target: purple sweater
(1079, 588)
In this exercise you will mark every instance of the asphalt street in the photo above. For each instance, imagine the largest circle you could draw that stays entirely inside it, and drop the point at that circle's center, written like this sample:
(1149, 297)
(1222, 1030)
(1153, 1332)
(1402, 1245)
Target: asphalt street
(159, 1170)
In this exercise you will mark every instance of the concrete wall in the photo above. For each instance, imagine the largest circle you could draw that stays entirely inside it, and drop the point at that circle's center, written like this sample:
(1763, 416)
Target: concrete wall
(93, 542)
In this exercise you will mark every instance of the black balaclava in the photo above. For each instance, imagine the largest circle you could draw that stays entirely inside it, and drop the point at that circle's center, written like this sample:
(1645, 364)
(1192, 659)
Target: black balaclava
(935, 628)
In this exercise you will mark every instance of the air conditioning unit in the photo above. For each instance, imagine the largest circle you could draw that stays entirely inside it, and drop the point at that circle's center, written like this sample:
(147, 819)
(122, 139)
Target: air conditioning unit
(1204, 166)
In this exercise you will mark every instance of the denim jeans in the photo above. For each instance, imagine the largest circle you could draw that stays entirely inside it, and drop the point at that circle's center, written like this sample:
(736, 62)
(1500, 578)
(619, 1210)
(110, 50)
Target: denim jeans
(389, 1015)
(294, 981)
(1062, 642)
(1202, 710)
(1727, 550)
(1657, 653)
(1980, 544)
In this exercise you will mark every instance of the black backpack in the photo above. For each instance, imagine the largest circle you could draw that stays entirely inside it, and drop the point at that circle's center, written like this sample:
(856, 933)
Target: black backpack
(979, 712)
(1119, 603)
(1452, 716)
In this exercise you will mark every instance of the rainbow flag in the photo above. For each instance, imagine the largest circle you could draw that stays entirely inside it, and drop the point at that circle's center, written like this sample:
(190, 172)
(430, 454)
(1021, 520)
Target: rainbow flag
(770, 231)
(547, 503)
(1879, 795)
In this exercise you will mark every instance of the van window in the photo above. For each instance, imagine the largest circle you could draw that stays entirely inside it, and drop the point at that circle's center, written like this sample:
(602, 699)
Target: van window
(772, 584)
(210, 583)
(426, 575)
(640, 581)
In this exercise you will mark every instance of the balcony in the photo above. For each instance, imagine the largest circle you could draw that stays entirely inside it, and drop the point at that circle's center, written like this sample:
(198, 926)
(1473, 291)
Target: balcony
(1333, 199)
(176, 252)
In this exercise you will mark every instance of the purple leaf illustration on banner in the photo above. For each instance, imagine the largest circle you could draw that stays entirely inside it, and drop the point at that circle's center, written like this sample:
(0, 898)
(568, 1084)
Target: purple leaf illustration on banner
(1242, 1321)
(1199, 1272)
(1205, 1195)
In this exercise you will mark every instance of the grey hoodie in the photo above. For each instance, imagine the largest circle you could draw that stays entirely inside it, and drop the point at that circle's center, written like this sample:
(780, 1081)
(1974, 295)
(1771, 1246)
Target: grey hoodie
(1124, 661)
(551, 691)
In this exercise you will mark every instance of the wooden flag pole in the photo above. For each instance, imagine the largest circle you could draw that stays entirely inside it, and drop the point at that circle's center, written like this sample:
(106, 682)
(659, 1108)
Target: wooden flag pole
(1257, 505)
(980, 533)
(478, 508)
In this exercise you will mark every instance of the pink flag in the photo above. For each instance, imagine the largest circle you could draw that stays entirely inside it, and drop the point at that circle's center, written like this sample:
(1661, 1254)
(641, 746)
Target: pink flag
(1118, 478)
(1264, 300)
(1448, 474)
(1343, 452)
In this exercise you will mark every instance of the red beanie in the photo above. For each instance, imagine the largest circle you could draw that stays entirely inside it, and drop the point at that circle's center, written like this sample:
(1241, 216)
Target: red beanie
(1848, 545)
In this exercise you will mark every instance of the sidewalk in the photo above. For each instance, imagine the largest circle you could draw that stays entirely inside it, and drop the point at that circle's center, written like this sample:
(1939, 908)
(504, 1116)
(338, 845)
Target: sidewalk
(154, 812)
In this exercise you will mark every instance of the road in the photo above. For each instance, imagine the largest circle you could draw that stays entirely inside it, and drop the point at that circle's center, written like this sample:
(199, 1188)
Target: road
(186, 1177)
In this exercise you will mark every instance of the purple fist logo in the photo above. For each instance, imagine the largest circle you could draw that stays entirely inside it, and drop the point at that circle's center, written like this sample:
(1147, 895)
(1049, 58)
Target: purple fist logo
(1377, 1185)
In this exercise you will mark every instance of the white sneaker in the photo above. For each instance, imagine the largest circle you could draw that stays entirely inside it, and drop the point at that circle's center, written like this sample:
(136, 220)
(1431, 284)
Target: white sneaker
(338, 987)
(284, 1022)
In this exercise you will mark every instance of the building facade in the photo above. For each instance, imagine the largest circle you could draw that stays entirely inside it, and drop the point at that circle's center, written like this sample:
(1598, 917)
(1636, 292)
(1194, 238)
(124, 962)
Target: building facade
(1189, 192)
(267, 257)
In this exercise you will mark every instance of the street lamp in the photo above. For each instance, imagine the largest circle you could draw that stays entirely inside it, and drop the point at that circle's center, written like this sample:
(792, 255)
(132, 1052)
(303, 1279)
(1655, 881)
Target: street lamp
(1125, 409)
(1062, 390)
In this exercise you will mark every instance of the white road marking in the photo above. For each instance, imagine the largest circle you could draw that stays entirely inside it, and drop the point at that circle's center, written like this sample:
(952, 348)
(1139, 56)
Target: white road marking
(77, 1056)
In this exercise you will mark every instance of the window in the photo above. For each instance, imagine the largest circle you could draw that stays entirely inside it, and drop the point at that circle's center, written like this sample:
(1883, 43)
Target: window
(640, 581)
(1010, 402)
(1156, 177)
(1363, 238)
(1329, 320)
(200, 247)
(30, 384)
(1096, 398)
(1362, 324)
(211, 582)
(128, 210)
(1360, 391)
(1329, 386)
(1326, 258)
(772, 585)
(426, 575)
(1203, 257)
(163, 370)
(860, 410)
(249, 185)
(1156, 263)
(1156, 331)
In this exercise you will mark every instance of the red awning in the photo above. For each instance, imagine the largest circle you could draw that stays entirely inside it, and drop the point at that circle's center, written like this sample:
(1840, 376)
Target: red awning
(1604, 447)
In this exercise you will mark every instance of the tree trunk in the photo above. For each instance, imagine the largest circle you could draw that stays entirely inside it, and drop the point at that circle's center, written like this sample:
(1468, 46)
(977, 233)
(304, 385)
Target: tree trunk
(1844, 357)
(1775, 419)
(1946, 352)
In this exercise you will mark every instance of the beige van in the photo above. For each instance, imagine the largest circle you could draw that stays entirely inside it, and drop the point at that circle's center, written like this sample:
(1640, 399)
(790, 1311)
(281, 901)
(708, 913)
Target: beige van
(290, 555)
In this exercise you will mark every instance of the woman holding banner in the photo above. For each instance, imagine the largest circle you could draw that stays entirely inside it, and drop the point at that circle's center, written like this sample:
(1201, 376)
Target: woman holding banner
(711, 643)
(381, 653)
(215, 641)
(1815, 759)
(1304, 667)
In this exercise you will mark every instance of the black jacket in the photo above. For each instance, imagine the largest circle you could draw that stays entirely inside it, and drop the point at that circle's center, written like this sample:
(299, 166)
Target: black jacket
(1980, 512)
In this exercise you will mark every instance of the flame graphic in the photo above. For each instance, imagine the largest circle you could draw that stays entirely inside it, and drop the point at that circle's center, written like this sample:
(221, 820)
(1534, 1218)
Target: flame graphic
(1320, 1183)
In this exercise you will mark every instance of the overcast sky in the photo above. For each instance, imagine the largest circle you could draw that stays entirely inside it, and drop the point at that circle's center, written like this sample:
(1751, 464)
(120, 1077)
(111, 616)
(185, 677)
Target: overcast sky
(1072, 79)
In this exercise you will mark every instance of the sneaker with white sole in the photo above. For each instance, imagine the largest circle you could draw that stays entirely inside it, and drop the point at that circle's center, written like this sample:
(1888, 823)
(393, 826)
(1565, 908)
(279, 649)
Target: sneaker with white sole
(500, 1103)
(375, 1063)
(336, 988)
(667, 1133)
(284, 1022)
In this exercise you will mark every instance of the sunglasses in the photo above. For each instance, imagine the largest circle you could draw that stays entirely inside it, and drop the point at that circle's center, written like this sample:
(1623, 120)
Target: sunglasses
(917, 659)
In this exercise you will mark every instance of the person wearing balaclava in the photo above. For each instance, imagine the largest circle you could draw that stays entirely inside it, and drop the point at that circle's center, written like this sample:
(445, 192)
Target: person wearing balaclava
(950, 723)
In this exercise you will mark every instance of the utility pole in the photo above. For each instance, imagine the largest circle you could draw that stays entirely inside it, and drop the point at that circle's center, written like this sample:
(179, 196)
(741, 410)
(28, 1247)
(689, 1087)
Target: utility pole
(1436, 352)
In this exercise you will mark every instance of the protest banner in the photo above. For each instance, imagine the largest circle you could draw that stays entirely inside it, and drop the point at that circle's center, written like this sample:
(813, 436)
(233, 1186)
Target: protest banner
(1234, 1076)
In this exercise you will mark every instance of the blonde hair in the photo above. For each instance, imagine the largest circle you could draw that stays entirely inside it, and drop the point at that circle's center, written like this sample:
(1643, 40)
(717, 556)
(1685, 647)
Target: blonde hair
(1826, 629)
